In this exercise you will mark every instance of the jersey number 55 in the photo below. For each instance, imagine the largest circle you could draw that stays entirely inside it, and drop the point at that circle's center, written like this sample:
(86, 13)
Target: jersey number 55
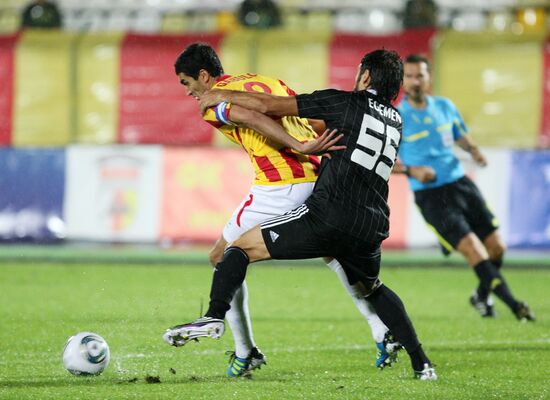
(382, 147)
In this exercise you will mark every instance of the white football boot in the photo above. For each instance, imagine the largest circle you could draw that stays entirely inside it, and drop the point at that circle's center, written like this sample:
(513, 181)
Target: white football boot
(180, 335)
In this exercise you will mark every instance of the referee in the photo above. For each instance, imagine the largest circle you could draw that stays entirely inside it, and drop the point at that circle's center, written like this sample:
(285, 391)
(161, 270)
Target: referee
(449, 201)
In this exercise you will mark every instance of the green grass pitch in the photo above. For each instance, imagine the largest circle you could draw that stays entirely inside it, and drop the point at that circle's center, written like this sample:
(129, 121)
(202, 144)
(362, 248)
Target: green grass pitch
(317, 344)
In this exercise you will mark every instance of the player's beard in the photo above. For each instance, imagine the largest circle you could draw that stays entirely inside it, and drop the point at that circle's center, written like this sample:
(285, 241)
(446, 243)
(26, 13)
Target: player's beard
(416, 95)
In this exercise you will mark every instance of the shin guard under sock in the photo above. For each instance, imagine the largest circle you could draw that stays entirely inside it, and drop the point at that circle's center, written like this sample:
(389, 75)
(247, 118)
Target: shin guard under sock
(229, 275)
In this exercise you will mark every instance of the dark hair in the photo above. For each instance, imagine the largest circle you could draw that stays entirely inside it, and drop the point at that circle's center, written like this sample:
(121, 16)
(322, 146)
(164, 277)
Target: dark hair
(417, 58)
(386, 72)
(198, 56)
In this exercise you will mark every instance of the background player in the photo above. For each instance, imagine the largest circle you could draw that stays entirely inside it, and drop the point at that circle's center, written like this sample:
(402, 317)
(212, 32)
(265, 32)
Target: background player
(449, 201)
(347, 215)
(283, 180)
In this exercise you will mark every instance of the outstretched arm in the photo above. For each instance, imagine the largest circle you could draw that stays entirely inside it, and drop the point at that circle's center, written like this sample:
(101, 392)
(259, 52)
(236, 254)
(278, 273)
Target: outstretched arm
(466, 143)
(274, 131)
(277, 106)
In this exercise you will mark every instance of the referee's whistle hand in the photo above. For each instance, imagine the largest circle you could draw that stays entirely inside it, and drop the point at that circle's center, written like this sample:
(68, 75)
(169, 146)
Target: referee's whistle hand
(422, 173)
(479, 158)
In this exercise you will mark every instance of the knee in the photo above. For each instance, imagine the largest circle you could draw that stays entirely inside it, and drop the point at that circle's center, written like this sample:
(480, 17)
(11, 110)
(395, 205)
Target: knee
(214, 256)
(240, 244)
(252, 245)
(496, 252)
(472, 249)
(371, 287)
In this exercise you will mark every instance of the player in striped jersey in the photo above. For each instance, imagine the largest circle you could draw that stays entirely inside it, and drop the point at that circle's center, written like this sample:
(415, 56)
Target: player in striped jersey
(274, 164)
(284, 178)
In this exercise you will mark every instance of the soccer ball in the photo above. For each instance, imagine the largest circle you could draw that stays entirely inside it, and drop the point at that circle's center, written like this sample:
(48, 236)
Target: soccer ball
(86, 353)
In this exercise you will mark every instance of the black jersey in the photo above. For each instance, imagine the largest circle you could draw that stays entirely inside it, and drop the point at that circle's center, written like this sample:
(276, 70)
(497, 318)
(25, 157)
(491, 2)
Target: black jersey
(351, 193)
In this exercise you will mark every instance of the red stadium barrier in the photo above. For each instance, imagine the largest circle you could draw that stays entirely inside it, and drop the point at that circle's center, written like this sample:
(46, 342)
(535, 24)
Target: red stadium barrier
(7, 59)
(154, 108)
(544, 139)
(347, 50)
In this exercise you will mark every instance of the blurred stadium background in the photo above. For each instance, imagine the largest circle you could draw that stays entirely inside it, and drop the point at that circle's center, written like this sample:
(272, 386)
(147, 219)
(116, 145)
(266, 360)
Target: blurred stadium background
(112, 188)
(101, 145)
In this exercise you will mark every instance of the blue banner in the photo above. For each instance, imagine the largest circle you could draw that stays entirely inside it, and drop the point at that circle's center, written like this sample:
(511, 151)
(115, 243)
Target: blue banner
(32, 185)
(530, 199)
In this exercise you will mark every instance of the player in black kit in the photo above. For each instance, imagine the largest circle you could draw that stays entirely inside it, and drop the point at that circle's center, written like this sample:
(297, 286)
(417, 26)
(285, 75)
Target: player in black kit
(346, 216)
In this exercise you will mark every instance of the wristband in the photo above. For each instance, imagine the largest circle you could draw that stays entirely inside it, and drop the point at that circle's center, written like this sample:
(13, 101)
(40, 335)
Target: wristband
(406, 170)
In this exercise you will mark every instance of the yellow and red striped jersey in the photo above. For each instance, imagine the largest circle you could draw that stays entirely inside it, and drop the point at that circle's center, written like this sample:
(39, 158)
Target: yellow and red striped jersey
(274, 164)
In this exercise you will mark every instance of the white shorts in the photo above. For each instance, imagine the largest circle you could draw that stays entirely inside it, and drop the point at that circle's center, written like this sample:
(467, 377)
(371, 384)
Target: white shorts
(263, 202)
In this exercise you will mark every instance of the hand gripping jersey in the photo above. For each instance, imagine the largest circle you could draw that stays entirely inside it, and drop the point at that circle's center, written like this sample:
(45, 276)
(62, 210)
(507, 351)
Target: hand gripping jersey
(274, 164)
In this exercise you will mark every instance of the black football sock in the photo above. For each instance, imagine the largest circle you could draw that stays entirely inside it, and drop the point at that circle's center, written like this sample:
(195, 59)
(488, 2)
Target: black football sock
(480, 291)
(418, 359)
(492, 280)
(503, 292)
(498, 265)
(391, 311)
(486, 272)
(229, 275)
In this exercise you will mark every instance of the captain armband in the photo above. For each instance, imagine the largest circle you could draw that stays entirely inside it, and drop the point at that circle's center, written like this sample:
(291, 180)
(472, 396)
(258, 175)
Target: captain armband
(222, 113)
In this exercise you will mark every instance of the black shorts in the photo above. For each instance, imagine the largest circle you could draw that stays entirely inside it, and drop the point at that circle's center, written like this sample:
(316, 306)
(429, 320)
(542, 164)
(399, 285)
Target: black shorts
(298, 234)
(454, 210)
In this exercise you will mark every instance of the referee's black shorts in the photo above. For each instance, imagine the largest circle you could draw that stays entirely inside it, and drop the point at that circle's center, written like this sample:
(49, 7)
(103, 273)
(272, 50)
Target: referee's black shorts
(454, 210)
(298, 234)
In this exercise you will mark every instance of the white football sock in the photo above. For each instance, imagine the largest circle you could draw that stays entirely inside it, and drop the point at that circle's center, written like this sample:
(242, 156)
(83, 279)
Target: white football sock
(376, 325)
(238, 318)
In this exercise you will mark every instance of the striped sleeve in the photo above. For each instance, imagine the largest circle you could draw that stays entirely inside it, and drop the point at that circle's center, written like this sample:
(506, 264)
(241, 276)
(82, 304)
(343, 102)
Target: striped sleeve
(289, 91)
